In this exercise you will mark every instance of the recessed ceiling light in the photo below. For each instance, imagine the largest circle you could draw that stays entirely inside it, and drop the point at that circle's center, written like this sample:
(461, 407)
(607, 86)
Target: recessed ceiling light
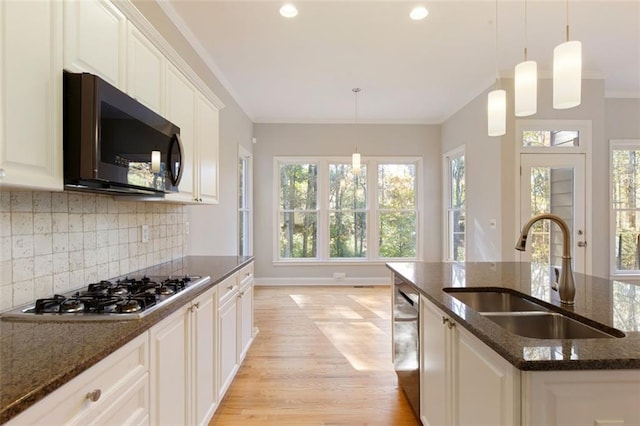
(288, 10)
(418, 13)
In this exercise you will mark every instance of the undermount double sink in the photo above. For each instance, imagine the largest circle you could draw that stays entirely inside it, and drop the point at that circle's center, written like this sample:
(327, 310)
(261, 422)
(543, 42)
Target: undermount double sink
(524, 317)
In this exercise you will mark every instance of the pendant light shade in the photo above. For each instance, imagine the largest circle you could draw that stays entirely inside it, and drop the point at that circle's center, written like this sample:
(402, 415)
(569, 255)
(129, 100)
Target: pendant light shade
(567, 75)
(497, 113)
(355, 162)
(526, 88)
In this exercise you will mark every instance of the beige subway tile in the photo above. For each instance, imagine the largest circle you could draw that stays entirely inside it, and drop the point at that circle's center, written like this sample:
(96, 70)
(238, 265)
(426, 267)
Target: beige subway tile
(60, 222)
(23, 292)
(43, 286)
(5, 224)
(43, 244)
(21, 223)
(22, 269)
(76, 241)
(22, 246)
(102, 239)
(43, 265)
(60, 242)
(42, 223)
(42, 202)
(76, 260)
(60, 202)
(22, 202)
(61, 282)
(5, 248)
(89, 204)
(75, 203)
(60, 262)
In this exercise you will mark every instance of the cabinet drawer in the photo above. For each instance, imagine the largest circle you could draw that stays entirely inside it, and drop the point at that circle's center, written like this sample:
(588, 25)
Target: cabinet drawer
(245, 274)
(227, 289)
(114, 376)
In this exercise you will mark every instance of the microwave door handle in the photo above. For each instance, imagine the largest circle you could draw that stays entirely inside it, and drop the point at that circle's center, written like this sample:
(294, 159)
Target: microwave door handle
(175, 178)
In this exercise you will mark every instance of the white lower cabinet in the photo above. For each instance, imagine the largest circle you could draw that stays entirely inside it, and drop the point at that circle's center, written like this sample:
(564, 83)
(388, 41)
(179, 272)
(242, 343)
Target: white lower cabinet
(114, 391)
(235, 324)
(598, 398)
(463, 381)
(183, 364)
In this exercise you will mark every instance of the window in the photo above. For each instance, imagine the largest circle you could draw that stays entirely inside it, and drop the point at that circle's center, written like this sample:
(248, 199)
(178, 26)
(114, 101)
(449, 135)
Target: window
(328, 213)
(298, 210)
(244, 204)
(455, 201)
(625, 205)
(347, 211)
(397, 212)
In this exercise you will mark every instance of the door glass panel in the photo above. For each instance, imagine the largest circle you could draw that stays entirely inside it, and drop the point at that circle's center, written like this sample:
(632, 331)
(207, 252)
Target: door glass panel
(550, 138)
(551, 192)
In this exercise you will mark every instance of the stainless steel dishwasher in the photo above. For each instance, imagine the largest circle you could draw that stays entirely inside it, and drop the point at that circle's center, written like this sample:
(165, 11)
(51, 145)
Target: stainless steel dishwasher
(406, 341)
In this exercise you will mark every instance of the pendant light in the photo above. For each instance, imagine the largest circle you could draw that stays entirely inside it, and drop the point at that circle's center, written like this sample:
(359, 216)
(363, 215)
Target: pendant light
(526, 81)
(567, 72)
(497, 100)
(355, 157)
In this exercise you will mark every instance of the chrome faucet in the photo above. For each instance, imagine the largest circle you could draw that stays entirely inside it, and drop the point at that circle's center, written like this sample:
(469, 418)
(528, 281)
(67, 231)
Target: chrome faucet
(566, 287)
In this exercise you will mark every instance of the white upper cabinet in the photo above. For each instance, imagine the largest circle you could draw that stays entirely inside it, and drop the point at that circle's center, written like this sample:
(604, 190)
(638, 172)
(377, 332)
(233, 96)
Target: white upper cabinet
(207, 140)
(95, 40)
(145, 70)
(31, 95)
(180, 110)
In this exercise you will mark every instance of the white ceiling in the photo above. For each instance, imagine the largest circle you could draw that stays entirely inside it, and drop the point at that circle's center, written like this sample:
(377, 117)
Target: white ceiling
(302, 70)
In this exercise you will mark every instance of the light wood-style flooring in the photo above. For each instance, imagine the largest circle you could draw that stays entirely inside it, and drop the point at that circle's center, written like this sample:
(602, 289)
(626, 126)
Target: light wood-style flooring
(322, 357)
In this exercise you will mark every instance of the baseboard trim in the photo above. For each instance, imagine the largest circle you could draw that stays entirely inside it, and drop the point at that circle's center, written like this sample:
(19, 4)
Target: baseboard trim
(348, 282)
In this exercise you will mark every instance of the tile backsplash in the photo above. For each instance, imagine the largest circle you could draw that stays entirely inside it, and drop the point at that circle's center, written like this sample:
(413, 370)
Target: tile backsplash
(54, 242)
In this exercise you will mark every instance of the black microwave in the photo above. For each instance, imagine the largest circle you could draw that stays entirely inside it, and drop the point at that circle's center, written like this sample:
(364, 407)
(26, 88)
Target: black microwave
(114, 144)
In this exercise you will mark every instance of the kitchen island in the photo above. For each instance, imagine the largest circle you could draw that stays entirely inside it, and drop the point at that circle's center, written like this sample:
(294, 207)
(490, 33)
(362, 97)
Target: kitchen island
(474, 370)
(38, 357)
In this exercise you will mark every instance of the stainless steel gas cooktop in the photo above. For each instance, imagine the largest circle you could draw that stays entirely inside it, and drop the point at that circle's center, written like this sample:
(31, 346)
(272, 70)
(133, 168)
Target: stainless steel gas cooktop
(122, 299)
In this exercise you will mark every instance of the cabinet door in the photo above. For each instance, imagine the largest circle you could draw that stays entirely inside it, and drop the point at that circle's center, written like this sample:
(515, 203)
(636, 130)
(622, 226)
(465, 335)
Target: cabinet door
(479, 367)
(31, 94)
(596, 397)
(204, 356)
(228, 344)
(245, 329)
(180, 110)
(434, 387)
(207, 153)
(170, 385)
(145, 70)
(94, 40)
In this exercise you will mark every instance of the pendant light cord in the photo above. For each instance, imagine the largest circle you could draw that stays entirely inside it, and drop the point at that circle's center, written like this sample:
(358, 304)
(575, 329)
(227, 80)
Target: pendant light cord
(497, 85)
(356, 90)
(567, 12)
(525, 30)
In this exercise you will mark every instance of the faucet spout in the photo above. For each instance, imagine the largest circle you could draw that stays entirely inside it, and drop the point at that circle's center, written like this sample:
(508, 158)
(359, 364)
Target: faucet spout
(566, 286)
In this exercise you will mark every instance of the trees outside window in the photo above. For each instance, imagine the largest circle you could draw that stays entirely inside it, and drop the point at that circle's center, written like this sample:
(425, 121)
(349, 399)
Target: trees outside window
(327, 212)
(298, 210)
(347, 211)
(397, 213)
(625, 205)
(455, 204)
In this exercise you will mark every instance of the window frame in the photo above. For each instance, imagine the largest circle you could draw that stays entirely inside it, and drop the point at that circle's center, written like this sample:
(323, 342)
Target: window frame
(323, 211)
(618, 144)
(247, 208)
(447, 231)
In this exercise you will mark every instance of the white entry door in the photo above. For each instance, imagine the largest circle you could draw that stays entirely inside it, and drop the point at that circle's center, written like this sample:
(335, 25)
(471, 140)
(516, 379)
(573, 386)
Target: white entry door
(553, 183)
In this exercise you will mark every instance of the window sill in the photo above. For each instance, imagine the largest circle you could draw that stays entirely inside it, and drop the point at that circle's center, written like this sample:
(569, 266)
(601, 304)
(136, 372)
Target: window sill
(349, 262)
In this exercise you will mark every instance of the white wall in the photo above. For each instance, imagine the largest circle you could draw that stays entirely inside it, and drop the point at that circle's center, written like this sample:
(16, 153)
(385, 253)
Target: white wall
(338, 140)
(482, 177)
(213, 229)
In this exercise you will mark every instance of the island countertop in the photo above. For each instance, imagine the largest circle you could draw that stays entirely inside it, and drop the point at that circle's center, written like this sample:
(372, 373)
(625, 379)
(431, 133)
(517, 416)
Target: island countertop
(614, 304)
(37, 357)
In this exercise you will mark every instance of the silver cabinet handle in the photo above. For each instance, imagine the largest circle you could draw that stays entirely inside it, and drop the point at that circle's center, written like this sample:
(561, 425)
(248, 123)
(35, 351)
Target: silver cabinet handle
(196, 305)
(451, 324)
(582, 243)
(94, 395)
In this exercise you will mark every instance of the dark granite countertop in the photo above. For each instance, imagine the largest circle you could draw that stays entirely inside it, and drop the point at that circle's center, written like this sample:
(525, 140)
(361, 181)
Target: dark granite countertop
(37, 357)
(610, 303)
